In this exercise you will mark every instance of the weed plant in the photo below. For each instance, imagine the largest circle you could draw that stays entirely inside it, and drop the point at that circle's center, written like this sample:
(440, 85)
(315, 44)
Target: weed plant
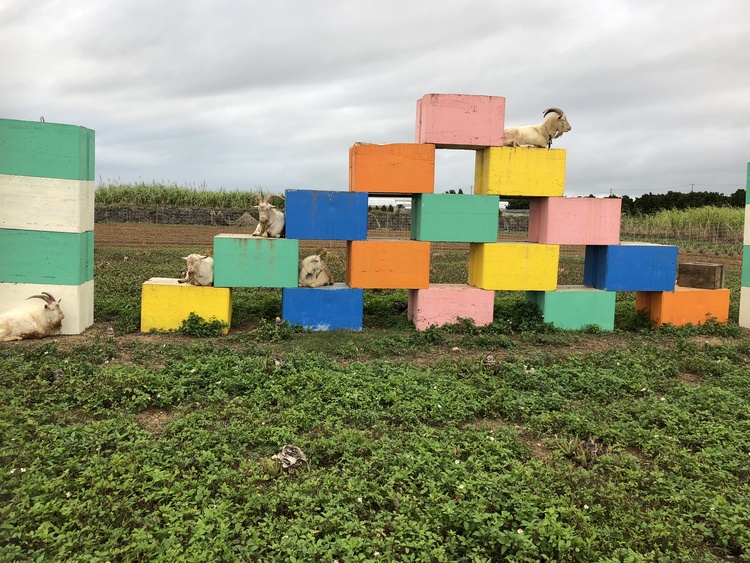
(509, 442)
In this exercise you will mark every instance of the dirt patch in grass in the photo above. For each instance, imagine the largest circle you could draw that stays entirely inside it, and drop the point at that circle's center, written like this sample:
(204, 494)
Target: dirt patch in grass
(154, 421)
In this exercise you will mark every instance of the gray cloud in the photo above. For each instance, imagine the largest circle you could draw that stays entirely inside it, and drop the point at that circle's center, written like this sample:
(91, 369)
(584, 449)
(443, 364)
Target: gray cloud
(273, 94)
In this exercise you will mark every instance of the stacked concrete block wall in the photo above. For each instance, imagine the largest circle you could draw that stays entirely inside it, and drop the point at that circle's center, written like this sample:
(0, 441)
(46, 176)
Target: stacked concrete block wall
(47, 217)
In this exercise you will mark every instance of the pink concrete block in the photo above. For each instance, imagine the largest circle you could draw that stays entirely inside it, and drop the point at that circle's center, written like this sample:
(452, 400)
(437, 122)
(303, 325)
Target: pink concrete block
(583, 220)
(441, 304)
(458, 121)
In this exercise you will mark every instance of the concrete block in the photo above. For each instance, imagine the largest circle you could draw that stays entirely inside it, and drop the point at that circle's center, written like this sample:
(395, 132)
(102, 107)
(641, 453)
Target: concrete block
(45, 257)
(46, 150)
(582, 221)
(388, 264)
(441, 304)
(684, 305)
(165, 304)
(326, 215)
(46, 204)
(459, 121)
(746, 263)
(574, 307)
(700, 275)
(76, 301)
(401, 168)
(520, 172)
(631, 267)
(248, 261)
(744, 320)
(454, 217)
(333, 307)
(514, 266)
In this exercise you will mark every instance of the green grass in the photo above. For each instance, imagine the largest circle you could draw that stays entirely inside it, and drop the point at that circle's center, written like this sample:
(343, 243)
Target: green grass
(146, 447)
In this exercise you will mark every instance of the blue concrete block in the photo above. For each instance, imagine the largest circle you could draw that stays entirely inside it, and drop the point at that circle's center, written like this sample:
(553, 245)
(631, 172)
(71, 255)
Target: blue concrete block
(326, 215)
(631, 267)
(331, 307)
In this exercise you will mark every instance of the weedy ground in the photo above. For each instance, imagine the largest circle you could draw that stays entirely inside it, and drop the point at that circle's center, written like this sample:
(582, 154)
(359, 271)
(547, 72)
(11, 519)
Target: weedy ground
(511, 442)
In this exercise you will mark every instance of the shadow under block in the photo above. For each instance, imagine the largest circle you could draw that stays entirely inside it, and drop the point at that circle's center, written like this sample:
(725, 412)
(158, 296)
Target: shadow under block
(581, 221)
(45, 257)
(388, 264)
(333, 307)
(46, 150)
(459, 121)
(248, 261)
(631, 267)
(700, 275)
(454, 217)
(574, 307)
(514, 266)
(326, 215)
(442, 304)
(76, 301)
(165, 303)
(684, 305)
(402, 168)
(46, 204)
(520, 172)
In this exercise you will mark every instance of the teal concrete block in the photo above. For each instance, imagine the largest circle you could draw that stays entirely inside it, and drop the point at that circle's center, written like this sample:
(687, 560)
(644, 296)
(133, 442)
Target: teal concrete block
(454, 217)
(247, 261)
(746, 266)
(46, 150)
(574, 307)
(45, 257)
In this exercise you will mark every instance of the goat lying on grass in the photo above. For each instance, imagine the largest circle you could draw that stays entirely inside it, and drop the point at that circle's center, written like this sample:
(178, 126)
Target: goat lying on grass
(31, 321)
(538, 135)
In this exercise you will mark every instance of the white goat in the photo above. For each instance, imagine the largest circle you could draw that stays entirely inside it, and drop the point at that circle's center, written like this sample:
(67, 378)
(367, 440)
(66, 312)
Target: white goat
(270, 220)
(29, 321)
(200, 270)
(314, 273)
(538, 135)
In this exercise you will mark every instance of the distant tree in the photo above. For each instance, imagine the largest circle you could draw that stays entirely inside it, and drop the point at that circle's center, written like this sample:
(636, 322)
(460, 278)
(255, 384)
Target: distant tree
(737, 199)
(390, 208)
(460, 191)
(451, 191)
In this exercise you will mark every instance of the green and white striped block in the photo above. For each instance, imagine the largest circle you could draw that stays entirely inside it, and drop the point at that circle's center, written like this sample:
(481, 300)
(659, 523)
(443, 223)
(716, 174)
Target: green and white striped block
(744, 319)
(47, 217)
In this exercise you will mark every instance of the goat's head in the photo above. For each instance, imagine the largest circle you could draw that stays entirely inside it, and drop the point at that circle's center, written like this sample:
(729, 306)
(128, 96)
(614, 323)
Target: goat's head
(192, 261)
(264, 207)
(51, 306)
(560, 121)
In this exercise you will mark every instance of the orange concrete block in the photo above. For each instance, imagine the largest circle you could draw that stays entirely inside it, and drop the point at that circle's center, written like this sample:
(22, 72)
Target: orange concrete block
(388, 264)
(684, 305)
(403, 168)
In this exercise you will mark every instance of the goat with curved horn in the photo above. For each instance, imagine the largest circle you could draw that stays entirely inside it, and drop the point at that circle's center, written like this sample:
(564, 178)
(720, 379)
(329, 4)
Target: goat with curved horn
(540, 135)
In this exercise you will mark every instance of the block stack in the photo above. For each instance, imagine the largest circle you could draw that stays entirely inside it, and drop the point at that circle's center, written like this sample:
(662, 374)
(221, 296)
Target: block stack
(47, 217)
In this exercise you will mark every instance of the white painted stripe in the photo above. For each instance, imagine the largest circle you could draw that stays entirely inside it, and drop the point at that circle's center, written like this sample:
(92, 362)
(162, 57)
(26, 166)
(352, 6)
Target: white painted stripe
(76, 301)
(46, 204)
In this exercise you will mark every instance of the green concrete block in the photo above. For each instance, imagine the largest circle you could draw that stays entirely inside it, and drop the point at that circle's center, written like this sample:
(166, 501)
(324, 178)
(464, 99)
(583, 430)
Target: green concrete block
(454, 217)
(46, 257)
(46, 150)
(247, 261)
(746, 265)
(574, 307)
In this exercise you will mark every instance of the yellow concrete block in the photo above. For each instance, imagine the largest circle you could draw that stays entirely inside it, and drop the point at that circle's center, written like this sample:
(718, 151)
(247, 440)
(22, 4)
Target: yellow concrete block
(520, 172)
(165, 303)
(519, 266)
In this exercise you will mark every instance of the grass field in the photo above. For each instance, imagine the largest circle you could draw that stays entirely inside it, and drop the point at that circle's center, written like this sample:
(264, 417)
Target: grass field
(511, 442)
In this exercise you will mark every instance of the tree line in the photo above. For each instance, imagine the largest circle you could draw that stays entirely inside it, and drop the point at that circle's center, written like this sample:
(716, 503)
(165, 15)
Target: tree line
(652, 203)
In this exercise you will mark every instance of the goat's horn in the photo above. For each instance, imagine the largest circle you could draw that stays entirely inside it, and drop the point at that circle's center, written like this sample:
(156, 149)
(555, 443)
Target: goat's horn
(47, 298)
(269, 196)
(258, 195)
(550, 110)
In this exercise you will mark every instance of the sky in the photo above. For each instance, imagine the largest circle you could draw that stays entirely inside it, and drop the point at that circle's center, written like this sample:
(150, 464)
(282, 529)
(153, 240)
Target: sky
(272, 94)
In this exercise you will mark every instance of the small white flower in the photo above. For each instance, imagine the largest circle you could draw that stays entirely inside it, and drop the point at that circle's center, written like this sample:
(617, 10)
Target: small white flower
(376, 554)
(491, 438)
(585, 506)
(458, 461)
(23, 470)
(663, 399)
(461, 487)
(285, 537)
(359, 499)
(440, 406)
(520, 531)
(218, 382)
(13, 470)
(68, 494)
(193, 370)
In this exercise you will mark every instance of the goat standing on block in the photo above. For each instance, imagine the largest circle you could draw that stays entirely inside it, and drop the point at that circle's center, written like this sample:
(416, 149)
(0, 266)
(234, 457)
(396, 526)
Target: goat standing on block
(538, 135)
(270, 220)
(200, 270)
(29, 321)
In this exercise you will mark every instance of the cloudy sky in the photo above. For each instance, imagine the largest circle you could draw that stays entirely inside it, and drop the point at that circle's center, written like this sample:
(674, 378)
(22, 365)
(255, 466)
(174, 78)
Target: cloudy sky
(271, 94)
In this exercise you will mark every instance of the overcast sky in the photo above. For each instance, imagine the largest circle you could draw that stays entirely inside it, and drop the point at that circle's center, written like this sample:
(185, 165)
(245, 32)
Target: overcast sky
(271, 94)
